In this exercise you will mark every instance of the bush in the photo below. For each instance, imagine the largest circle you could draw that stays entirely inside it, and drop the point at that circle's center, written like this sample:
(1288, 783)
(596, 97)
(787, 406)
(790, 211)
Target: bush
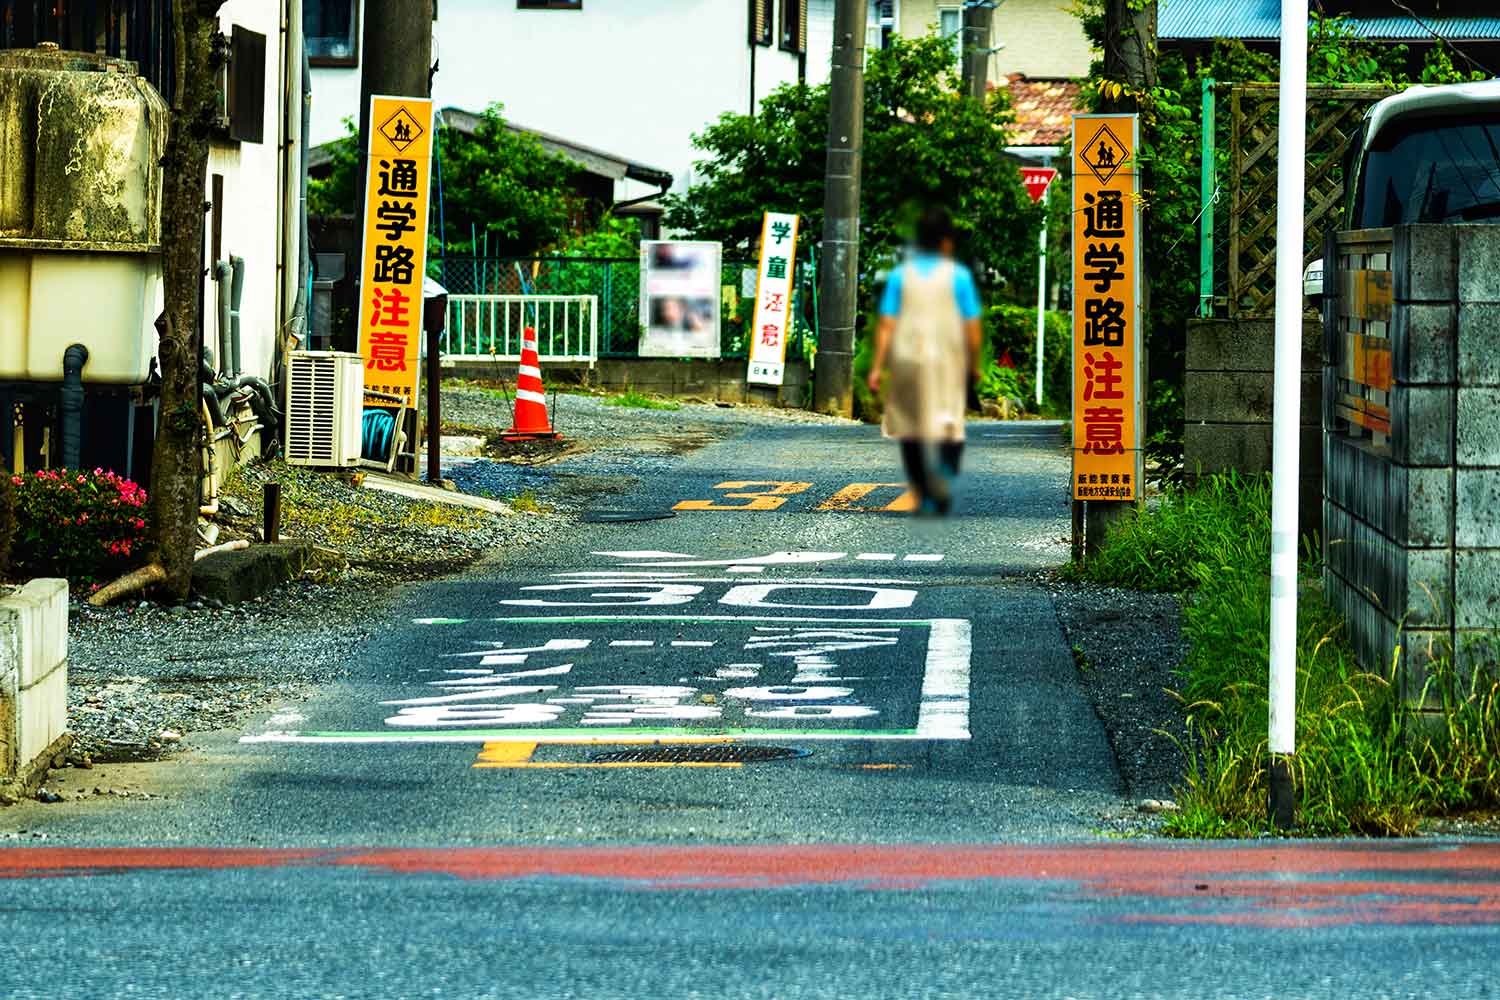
(7, 524)
(85, 526)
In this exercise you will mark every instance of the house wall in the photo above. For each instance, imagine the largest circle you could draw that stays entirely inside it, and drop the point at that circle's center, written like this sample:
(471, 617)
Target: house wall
(1042, 38)
(253, 205)
(635, 78)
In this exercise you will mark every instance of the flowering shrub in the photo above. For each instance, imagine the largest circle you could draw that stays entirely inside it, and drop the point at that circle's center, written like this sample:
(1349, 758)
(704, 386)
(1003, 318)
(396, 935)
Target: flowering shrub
(81, 525)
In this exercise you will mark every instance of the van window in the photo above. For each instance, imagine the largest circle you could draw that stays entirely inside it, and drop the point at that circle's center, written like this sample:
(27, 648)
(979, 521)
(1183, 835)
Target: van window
(1432, 170)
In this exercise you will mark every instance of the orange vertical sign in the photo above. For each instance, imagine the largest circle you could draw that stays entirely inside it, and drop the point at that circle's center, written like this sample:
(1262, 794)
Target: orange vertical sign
(395, 244)
(1107, 396)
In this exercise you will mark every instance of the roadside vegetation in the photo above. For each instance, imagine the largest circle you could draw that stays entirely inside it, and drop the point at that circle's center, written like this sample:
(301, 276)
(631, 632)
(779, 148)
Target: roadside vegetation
(1365, 762)
(640, 401)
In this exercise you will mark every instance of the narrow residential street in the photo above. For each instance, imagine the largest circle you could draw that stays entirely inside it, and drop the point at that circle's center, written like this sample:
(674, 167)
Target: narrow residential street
(796, 747)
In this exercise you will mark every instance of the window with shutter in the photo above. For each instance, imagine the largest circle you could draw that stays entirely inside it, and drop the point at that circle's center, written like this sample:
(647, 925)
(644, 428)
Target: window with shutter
(760, 22)
(794, 25)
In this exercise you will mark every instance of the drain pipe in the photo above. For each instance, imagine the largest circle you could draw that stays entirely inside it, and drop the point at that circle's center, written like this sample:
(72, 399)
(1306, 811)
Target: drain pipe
(236, 294)
(222, 274)
(74, 358)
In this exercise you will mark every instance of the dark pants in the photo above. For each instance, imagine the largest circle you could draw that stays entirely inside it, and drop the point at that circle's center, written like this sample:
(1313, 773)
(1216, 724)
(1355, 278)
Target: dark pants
(919, 474)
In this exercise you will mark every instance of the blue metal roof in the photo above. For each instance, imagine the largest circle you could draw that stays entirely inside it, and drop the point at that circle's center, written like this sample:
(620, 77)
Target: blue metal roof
(1186, 20)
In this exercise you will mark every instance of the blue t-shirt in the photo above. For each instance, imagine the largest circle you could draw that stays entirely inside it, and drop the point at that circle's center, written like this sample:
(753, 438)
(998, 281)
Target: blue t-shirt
(964, 289)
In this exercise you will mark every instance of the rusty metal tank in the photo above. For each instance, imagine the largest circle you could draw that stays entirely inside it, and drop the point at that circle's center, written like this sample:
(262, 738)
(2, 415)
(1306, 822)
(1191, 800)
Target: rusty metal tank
(81, 142)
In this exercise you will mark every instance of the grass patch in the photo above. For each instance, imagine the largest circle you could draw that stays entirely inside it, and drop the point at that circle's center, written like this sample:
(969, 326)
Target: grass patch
(641, 401)
(527, 503)
(1364, 764)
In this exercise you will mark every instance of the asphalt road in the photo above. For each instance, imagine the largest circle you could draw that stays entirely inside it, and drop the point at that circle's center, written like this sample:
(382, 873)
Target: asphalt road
(549, 778)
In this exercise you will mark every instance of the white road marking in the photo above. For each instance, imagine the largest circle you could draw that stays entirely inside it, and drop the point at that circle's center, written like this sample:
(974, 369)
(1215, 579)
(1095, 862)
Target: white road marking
(633, 642)
(944, 711)
(922, 557)
(876, 556)
(694, 643)
(746, 569)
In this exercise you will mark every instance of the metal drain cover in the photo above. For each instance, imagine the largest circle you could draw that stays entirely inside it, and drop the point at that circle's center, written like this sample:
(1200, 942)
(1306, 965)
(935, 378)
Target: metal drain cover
(619, 516)
(710, 753)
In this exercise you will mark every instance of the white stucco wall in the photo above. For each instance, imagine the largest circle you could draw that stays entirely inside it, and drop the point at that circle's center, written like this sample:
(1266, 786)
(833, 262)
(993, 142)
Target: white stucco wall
(1043, 39)
(252, 203)
(635, 78)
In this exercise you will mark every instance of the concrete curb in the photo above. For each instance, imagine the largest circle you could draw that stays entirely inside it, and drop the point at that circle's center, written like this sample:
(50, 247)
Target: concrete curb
(33, 684)
(244, 574)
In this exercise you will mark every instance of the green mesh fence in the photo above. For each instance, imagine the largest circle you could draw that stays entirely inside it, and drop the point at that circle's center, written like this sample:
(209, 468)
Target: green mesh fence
(617, 284)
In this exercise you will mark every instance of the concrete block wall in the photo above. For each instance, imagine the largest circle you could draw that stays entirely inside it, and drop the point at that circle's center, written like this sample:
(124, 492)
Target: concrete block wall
(1227, 392)
(1412, 529)
(33, 682)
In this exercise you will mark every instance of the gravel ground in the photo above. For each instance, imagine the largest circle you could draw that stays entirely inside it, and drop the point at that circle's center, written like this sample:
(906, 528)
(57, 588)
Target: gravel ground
(1128, 645)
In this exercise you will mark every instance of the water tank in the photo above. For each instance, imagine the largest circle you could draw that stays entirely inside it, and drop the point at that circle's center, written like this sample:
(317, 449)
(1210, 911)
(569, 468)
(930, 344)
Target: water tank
(81, 142)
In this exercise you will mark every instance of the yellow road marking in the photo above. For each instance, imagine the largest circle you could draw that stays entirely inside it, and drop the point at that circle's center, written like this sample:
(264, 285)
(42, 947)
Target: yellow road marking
(517, 754)
(758, 499)
(847, 498)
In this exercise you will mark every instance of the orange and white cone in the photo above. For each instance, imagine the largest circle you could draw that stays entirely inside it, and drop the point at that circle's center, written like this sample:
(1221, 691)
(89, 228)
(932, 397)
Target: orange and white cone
(530, 420)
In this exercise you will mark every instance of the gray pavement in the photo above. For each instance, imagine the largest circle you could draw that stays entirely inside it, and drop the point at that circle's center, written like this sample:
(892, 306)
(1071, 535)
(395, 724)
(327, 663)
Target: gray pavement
(456, 812)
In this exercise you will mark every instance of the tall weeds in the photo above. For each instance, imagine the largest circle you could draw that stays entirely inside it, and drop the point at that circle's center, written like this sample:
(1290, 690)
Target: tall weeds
(1364, 764)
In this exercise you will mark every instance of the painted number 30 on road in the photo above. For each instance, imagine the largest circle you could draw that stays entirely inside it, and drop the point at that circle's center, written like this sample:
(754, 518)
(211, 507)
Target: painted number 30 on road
(746, 494)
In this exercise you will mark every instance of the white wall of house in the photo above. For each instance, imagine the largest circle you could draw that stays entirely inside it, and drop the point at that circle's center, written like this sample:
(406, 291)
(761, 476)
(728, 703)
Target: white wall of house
(1043, 39)
(634, 78)
(255, 211)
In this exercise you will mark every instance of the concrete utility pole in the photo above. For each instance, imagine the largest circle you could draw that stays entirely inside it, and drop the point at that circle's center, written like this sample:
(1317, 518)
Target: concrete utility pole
(1286, 408)
(395, 59)
(838, 280)
(978, 18)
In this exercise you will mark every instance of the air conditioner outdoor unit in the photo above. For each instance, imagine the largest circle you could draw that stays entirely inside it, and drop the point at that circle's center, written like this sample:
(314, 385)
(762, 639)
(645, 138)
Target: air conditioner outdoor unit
(325, 408)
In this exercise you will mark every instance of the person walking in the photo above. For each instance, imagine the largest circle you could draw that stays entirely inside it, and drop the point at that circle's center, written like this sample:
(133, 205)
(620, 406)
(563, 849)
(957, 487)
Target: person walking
(929, 337)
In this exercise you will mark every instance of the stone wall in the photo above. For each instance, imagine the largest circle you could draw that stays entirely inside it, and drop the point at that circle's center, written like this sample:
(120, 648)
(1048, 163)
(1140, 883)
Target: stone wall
(1227, 393)
(33, 683)
(1412, 518)
(712, 381)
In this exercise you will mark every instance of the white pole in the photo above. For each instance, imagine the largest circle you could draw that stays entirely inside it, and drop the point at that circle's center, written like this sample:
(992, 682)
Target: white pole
(1286, 406)
(1041, 294)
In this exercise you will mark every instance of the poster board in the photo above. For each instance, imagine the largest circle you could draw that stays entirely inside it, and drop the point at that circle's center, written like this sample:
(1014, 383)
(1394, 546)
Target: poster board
(680, 299)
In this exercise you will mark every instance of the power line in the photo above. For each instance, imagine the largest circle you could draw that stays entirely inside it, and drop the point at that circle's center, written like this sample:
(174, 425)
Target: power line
(1434, 33)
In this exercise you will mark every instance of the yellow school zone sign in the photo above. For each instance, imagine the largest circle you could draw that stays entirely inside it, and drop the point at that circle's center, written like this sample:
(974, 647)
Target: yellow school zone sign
(398, 172)
(1107, 390)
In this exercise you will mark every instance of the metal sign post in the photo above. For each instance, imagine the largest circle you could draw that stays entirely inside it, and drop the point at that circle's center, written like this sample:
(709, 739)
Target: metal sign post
(1037, 181)
(1286, 409)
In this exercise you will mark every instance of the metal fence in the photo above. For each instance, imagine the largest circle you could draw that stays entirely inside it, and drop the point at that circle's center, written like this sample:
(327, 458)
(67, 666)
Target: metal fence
(614, 282)
(488, 327)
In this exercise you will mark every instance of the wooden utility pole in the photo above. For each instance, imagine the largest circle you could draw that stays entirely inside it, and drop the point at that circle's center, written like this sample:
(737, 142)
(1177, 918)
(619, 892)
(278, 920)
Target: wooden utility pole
(396, 60)
(176, 461)
(1129, 58)
(979, 16)
(838, 278)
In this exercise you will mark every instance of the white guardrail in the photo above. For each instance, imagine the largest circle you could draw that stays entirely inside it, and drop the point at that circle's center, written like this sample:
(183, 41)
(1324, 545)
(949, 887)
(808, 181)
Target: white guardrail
(488, 327)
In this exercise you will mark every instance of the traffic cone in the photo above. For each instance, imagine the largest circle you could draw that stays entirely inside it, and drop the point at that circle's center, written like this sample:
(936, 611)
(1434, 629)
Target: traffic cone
(530, 421)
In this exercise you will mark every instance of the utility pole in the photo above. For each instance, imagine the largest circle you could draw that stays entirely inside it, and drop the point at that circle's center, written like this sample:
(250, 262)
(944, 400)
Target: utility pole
(838, 282)
(396, 60)
(1286, 408)
(1129, 58)
(978, 20)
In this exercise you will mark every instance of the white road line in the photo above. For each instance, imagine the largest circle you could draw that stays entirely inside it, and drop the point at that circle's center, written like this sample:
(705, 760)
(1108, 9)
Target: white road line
(876, 556)
(922, 557)
(944, 712)
(632, 642)
(746, 569)
(693, 643)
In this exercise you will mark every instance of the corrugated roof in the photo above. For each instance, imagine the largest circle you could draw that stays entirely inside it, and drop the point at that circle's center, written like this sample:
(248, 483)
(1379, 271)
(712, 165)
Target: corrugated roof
(1187, 20)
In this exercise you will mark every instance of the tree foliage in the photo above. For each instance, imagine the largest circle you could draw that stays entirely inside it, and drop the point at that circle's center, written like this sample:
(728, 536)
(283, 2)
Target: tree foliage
(1171, 133)
(497, 183)
(923, 142)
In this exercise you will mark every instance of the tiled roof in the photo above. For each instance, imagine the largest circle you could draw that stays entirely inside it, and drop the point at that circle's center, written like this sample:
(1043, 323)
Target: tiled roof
(1044, 110)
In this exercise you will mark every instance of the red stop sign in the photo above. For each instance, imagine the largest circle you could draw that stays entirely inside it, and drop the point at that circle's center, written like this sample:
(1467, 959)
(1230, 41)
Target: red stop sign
(1037, 180)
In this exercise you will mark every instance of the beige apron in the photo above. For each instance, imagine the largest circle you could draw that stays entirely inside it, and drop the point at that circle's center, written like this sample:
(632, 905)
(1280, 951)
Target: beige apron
(927, 384)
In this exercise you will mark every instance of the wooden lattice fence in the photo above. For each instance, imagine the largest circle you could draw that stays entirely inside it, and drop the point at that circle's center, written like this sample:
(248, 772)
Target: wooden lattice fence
(1333, 116)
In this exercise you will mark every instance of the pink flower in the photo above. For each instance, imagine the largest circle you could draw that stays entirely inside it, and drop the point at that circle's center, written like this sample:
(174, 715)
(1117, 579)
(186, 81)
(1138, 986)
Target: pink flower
(15, 480)
(138, 523)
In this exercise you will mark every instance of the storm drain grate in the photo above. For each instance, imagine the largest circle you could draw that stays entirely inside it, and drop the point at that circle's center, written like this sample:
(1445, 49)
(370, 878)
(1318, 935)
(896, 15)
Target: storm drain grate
(713, 753)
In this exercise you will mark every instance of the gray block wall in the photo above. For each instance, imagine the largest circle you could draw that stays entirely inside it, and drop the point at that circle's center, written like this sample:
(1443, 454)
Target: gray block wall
(1227, 393)
(1412, 529)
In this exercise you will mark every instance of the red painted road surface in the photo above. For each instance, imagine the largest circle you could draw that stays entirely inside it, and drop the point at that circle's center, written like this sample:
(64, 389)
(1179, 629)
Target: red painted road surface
(1283, 884)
